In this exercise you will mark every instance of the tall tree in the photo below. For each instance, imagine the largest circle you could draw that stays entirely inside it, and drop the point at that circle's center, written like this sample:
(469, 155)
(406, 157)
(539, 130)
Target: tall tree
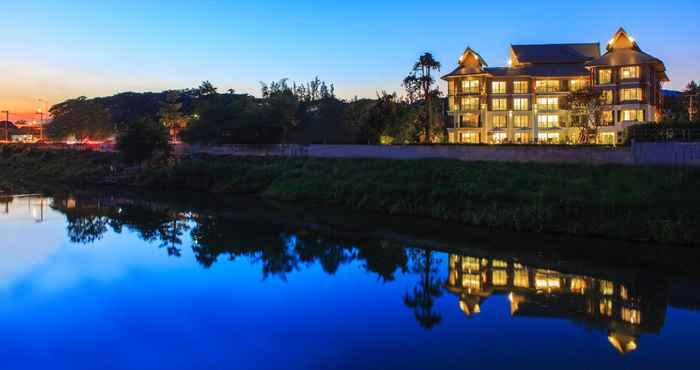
(420, 81)
(171, 114)
(587, 103)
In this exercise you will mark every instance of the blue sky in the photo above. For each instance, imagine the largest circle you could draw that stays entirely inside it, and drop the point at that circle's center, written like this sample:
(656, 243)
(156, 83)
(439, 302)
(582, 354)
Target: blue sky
(60, 49)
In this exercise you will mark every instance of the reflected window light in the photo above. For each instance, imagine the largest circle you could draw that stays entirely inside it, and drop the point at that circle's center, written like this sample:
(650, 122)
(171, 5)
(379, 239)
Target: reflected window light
(606, 307)
(521, 278)
(607, 288)
(631, 316)
(499, 277)
(578, 285)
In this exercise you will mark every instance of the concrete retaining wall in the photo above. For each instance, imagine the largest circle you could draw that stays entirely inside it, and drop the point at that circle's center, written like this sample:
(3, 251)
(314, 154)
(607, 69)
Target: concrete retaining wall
(667, 153)
(657, 153)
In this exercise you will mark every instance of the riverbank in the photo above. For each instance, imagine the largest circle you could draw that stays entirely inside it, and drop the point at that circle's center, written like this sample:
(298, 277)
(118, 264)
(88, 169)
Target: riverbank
(656, 204)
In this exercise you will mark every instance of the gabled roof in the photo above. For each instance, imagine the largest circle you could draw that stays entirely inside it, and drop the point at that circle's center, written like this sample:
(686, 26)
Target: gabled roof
(470, 63)
(623, 50)
(556, 53)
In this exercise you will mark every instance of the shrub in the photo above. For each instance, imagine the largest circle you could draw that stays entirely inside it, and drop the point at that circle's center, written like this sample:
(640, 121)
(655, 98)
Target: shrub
(143, 140)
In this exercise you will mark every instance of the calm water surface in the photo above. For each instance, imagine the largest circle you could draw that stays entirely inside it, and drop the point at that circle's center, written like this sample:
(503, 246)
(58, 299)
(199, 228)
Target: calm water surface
(124, 283)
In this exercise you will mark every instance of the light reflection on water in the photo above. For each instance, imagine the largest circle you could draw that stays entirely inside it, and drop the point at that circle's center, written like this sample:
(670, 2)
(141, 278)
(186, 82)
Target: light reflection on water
(126, 283)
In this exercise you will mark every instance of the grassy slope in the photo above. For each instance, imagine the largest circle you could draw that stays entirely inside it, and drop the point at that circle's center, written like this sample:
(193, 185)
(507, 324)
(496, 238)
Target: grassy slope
(645, 203)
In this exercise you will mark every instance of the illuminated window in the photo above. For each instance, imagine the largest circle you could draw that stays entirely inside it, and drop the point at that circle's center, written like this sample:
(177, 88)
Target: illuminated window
(521, 104)
(604, 76)
(469, 138)
(469, 120)
(578, 84)
(521, 121)
(548, 103)
(548, 121)
(629, 73)
(522, 137)
(499, 137)
(607, 96)
(499, 104)
(498, 87)
(547, 86)
(470, 103)
(548, 137)
(631, 94)
(633, 115)
(499, 121)
(521, 87)
(607, 138)
(607, 116)
(470, 86)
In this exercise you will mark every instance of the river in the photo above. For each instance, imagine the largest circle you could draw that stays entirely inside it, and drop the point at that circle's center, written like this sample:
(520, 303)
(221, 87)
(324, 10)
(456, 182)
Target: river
(103, 281)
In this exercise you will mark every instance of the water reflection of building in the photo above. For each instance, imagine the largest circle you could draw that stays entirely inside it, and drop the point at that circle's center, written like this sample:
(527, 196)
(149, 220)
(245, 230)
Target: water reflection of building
(624, 310)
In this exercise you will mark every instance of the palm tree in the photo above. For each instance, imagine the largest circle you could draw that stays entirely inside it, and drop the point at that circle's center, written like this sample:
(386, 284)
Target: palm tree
(421, 81)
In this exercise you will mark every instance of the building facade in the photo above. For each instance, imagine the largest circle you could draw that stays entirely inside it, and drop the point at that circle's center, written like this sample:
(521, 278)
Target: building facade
(529, 101)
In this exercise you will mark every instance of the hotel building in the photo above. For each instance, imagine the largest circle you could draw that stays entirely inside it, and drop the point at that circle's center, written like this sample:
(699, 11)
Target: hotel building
(529, 101)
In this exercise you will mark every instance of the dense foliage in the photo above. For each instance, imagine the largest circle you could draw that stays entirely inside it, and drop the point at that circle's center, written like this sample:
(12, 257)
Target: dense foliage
(285, 113)
(142, 140)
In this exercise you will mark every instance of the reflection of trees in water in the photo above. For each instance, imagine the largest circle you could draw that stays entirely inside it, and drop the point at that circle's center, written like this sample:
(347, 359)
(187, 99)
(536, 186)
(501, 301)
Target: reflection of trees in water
(428, 288)
(86, 229)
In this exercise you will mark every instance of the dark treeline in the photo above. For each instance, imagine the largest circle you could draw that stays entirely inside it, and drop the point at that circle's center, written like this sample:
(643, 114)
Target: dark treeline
(286, 112)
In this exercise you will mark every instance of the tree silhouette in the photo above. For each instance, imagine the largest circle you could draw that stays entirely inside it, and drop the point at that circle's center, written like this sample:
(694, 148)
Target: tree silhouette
(429, 287)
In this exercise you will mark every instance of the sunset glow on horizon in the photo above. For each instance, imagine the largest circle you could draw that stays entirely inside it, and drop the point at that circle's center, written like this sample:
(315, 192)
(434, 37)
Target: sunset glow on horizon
(62, 50)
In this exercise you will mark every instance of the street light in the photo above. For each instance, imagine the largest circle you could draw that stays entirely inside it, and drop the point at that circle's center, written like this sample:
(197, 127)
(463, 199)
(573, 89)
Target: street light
(41, 122)
(7, 122)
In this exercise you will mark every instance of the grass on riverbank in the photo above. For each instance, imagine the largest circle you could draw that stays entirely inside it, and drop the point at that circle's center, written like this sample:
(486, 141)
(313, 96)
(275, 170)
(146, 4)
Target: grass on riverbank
(639, 203)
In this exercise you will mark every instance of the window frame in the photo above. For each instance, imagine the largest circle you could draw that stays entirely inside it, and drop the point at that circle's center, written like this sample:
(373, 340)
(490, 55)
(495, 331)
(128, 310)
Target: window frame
(517, 90)
(548, 105)
(499, 125)
(520, 107)
(548, 124)
(549, 86)
(634, 76)
(468, 106)
(517, 121)
(501, 84)
(636, 97)
(471, 86)
(608, 71)
(498, 107)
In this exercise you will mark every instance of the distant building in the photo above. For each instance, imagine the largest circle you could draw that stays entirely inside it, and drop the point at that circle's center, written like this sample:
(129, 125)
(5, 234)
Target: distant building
(528, 101)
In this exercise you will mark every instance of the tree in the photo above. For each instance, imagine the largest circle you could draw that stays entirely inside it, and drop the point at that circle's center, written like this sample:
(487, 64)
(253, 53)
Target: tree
(587, 103)
(143, 140)
(429, 287)
(420, 83)
(171, 114)
(206, 88)
(81, 119)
